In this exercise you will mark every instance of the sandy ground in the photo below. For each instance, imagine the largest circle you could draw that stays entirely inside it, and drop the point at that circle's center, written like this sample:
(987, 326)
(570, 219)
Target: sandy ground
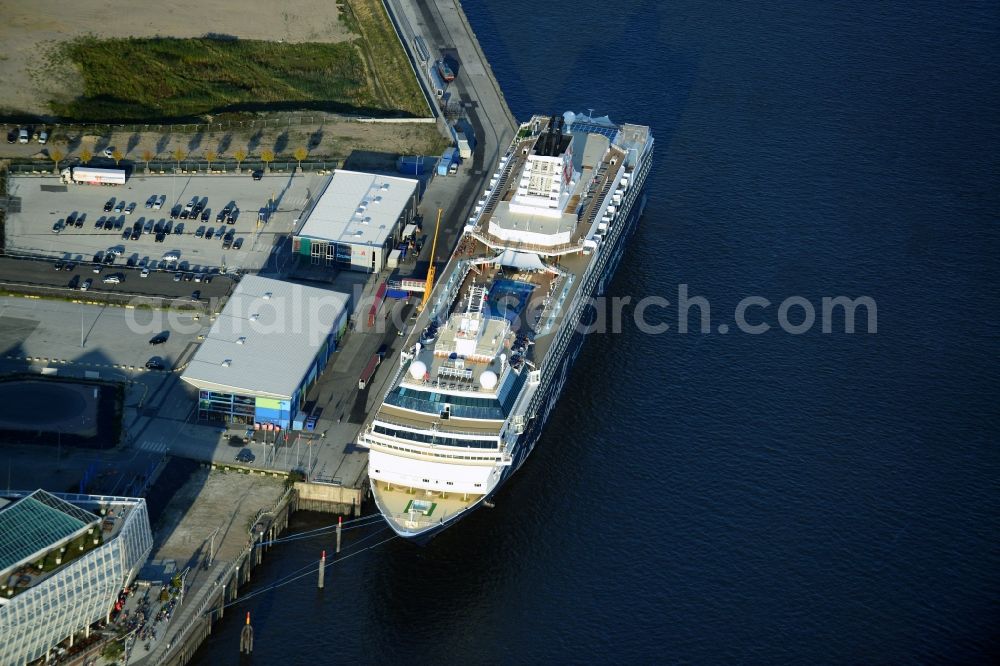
(207, 502)
(30, 29)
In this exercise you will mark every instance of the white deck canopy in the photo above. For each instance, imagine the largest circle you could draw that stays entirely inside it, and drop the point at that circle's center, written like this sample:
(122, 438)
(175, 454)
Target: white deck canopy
(521, 260)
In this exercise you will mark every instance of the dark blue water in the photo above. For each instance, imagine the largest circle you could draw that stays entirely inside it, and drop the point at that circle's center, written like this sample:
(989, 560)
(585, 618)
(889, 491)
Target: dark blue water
(711, 498)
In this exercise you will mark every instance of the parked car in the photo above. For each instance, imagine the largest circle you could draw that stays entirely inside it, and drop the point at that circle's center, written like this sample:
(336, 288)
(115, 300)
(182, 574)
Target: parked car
(43, 137)
(120, 206)
(70, 265)
(135, 234)
(150, 201)
(112, 279)
(220, 216)
(158, 204)
(71, 219)
(144, 273)
(132, 261)
(159, 237)
(205, 214)
(57, 227)
(119, 223)
(245, 456)
(59, 266)
(79, 222)
(22, 135)
(158, 339)
(199, 232)
(130, 208)
(179, 228)
(191, 204)
(12, 136)
(148, 227)
(127, 234)
(196, 294)
(257, 175)
(238, 243)
(167, 226)
(209, 232)
(184, 214)
(109, 152)
(155, 364)
(175, 212)
(231, 218)
(177, 277)
(86, 284)
(109, 205)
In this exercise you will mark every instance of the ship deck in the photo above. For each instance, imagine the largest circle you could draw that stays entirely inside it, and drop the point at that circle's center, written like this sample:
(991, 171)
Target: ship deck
(413, 509)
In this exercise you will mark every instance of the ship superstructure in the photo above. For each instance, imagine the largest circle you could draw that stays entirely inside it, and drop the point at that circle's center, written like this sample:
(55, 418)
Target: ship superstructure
(478, 378)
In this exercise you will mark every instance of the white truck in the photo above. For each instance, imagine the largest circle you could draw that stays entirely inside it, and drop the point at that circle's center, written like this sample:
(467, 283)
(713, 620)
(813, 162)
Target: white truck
(93, 176)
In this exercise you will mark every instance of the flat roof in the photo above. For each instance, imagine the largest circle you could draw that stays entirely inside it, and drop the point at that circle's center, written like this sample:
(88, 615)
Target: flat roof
(358, 208)
(265, 339)
(35, 523)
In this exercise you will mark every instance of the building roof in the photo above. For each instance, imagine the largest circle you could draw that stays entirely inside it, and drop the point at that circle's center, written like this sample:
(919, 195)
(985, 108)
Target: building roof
(265, 339)
(35, 523)
(358, 208)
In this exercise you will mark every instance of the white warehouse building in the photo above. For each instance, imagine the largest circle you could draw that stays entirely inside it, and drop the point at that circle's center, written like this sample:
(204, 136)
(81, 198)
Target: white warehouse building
(357, 220)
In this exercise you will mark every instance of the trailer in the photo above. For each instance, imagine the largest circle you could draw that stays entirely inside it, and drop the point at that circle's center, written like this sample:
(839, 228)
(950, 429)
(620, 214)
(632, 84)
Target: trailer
(409, 231)
(464, 143)
(93, 176)
(368, 372)
(392, 261)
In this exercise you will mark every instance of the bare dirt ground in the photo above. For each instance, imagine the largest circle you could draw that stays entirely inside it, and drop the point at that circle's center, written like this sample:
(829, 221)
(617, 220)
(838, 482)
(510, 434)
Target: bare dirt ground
(30, 29)
(212, 501)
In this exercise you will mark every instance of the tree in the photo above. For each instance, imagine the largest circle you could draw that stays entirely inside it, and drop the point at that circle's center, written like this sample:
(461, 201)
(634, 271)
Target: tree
(147, 157)
(117, 154)
(178, 156)
(210, 156)
(113, 650)
(239, 155)
(267, 156)
(56, 156)
(300, 154)
(86, 155)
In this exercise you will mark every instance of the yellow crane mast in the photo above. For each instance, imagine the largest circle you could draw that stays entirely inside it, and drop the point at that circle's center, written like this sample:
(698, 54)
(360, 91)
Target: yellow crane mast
(429, 285)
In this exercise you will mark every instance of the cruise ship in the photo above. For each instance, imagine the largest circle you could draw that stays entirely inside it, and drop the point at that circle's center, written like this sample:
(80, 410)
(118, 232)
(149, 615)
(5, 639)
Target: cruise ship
(492, 349)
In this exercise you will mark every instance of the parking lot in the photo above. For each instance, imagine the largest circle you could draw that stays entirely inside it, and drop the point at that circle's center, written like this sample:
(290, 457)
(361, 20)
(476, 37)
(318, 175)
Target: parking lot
(47, 207)
(112, 341)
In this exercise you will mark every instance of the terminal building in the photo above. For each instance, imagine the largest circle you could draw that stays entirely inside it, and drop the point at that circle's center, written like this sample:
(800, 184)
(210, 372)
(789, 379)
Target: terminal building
(265, 350)
(64, 559)
(357, 220)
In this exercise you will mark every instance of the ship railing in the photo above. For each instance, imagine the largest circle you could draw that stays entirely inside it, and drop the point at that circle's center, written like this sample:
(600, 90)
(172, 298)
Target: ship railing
(391, 421)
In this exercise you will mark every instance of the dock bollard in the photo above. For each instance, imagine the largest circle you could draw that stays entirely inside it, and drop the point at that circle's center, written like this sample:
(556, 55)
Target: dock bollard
(322, 569)
(340, 520)
(246, 637)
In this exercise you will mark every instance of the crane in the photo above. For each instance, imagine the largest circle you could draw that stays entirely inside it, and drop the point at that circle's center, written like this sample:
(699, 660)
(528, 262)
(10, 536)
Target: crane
(430, 269)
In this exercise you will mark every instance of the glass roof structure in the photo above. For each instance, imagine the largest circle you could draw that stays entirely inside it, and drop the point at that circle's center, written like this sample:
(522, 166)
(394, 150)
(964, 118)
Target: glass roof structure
(35, 523)
(594, 128)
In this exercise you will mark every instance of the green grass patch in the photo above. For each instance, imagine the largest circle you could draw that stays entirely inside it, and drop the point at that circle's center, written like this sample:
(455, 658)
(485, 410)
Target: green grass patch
(162, 79)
